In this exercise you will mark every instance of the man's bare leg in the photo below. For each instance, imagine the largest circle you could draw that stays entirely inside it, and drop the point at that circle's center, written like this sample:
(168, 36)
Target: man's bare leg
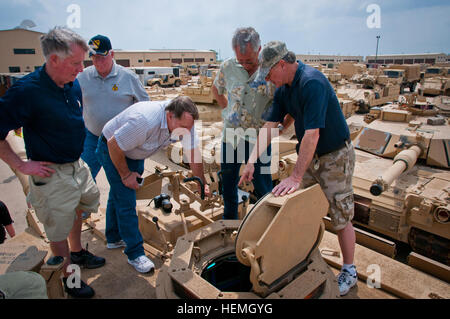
(75, 234)
(347, 238)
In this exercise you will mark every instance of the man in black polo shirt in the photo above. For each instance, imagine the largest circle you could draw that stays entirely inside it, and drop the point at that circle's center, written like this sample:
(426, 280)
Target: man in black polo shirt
(325, 152)
(47, 104)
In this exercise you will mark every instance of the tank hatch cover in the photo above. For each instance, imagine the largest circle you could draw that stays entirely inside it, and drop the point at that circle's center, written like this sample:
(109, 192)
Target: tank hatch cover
(279, 233)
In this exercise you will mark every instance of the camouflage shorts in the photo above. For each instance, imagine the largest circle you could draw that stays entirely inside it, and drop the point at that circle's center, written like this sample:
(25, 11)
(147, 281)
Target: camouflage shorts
(334, 172)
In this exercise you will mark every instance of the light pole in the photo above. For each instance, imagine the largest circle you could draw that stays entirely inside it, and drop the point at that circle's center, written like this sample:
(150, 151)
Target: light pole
(376, 54)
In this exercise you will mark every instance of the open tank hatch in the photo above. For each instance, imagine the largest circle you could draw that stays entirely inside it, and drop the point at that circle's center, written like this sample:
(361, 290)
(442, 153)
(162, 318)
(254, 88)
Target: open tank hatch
(273, 253)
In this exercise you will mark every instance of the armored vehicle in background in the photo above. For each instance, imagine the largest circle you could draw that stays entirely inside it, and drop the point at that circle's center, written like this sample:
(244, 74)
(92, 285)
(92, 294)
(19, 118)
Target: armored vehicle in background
(401, 180)
(201, 92)
(433, 86)
(164, 80)
(192, 69)
(407, 76)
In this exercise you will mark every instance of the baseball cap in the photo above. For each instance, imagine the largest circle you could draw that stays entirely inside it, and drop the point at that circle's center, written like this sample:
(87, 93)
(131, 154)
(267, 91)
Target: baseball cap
(270, 55)
(99, 45)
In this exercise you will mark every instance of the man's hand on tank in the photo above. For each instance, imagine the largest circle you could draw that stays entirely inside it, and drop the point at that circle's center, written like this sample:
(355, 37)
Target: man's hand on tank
(286, 186)
(207, 191)
(247, 174)
(36, 168)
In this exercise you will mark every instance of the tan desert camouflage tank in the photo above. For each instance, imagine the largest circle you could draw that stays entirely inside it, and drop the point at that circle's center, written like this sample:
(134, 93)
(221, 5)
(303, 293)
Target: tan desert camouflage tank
(402, 179)
(201, 92)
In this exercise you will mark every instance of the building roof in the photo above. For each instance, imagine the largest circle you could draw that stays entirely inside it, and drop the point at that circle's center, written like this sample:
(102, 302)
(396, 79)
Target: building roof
(163, 50)
(21, 29)
(403, 54)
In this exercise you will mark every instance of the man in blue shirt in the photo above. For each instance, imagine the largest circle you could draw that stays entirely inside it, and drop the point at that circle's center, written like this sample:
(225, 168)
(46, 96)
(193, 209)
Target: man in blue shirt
(47, 104)
(325, 152)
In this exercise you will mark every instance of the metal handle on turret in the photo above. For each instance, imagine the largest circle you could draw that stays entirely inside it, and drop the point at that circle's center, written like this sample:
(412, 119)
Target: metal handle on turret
(403, 161)
(155, 220)
(197, 179)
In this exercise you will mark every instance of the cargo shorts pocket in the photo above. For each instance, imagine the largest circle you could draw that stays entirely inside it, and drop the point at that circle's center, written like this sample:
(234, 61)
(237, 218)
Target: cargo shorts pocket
(345, 204)
(38, 198)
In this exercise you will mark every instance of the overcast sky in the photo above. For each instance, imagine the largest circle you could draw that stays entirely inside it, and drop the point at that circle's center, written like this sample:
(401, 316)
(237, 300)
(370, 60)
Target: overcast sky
(307, 26)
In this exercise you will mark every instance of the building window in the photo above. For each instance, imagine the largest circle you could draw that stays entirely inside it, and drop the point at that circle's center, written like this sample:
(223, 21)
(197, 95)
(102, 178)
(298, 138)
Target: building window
(140, 61)
(409, 61)
(164, 59)
(148, 60)
(419, 60)
(200, 60)
(24, 51)
(399, 61)
(177, 60)
(14, 69)
(123, 62)
(188, 60)
(430, 61)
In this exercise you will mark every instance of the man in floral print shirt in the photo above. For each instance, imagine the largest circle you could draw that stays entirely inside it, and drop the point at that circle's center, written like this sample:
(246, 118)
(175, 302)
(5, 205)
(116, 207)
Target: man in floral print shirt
(243, 106)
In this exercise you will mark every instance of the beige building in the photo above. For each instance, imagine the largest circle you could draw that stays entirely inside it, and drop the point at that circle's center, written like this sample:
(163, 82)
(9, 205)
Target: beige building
(20, 50)
(421, 58)
(139, 58)
(320, 58)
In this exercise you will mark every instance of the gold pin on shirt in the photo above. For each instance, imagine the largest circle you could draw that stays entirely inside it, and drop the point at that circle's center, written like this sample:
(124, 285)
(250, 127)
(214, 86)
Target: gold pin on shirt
(115, 88)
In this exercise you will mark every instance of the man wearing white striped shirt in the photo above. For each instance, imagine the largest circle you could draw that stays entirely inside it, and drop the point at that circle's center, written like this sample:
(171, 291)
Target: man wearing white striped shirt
(133, 135)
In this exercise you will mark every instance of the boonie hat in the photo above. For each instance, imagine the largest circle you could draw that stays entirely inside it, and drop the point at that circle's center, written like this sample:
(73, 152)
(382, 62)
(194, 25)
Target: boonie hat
(270, 55)
(99, 45)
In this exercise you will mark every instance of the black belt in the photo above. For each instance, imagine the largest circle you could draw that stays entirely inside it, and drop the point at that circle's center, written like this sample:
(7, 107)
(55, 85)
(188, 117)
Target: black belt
(344, 143)
(104, 139)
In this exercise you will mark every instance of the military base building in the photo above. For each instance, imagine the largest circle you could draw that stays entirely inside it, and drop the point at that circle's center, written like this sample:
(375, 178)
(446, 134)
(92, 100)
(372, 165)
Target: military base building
(21, 52)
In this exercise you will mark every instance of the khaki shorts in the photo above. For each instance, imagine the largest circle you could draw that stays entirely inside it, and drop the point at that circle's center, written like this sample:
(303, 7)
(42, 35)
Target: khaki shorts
(334, 172)
(57, 198)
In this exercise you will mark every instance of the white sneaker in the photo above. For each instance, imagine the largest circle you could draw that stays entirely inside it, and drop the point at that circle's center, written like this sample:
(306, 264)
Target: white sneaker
(346, 281)
(117, 244)
(142, 264)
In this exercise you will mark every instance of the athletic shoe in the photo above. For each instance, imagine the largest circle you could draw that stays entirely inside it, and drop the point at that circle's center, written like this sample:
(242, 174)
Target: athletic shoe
(142, 264)
(346, 280)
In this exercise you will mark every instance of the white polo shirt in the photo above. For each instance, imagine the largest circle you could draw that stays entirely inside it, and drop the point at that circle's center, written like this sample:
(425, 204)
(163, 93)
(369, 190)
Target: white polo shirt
(141, 130)
(104, 98)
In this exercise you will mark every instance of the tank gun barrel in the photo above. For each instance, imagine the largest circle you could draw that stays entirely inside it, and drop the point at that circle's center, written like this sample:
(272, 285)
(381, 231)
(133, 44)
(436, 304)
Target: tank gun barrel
(403, 161)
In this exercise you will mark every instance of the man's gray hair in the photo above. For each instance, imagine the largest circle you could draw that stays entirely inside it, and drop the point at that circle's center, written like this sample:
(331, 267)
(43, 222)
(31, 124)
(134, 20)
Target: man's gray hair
(242, 36)
(59, 40)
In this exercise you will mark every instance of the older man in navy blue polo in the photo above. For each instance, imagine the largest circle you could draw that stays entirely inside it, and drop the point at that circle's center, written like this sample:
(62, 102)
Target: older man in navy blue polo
(325, 152)
(47, 104)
